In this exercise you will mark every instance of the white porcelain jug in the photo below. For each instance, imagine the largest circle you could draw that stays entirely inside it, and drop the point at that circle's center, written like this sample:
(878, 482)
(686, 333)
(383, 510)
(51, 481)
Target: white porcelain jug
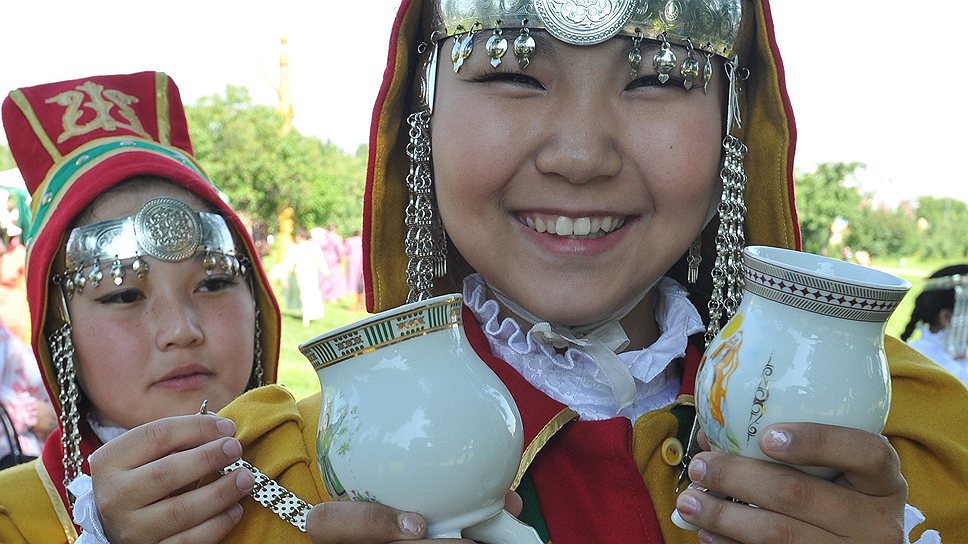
(412, 418)
(806, 345)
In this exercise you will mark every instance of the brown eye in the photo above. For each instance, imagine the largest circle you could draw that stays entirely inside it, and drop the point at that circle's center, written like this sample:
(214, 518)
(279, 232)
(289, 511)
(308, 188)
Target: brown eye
(124, 296)
(216, 283)
(653, 82)
(513, 78)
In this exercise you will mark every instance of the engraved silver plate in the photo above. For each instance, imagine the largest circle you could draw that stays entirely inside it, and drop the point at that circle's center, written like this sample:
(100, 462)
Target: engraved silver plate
(167, 229)
(164, 228)
(584, 22)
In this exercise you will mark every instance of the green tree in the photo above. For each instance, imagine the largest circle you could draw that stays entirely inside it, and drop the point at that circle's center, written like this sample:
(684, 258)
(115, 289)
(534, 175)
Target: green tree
(944, 234)
(262, 171)
(883, 232)
(822, 196)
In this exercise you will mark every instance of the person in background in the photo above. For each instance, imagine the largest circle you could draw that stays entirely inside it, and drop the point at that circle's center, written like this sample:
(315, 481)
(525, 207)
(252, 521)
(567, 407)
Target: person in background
(146, 294)
(354, 268)
(309, 265)
(14, 312)
(333, 283)
(940, 316)
(24, 399)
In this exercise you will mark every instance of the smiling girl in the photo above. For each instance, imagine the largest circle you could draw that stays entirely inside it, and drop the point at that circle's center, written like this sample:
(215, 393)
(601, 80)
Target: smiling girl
(573, 171)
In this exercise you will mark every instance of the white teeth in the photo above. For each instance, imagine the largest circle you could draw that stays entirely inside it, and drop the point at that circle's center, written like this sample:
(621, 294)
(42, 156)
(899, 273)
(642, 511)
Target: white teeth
(561, 225)
(564, 226)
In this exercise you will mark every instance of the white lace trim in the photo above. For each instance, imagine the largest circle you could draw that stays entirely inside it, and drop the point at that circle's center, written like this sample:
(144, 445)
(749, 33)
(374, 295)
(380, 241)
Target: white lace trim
(572, 377)
(85, 512)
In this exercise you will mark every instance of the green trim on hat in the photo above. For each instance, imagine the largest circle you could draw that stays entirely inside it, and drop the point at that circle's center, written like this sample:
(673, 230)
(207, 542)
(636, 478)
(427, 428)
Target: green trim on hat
(72, 166)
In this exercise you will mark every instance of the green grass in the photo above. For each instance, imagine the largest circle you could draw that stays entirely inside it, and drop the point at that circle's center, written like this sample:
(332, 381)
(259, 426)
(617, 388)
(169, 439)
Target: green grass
(295, 371)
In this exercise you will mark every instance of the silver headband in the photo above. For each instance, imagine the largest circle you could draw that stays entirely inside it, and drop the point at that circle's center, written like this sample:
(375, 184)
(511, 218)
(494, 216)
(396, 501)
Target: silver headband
(164, 228)
(956, 333)
(711, 25)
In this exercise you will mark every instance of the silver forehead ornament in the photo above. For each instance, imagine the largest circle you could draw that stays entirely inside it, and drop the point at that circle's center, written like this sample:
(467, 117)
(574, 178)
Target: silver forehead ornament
(164, 228)
(710, 26)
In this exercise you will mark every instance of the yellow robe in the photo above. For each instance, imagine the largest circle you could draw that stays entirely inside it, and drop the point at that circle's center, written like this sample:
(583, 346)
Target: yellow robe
(929, 415)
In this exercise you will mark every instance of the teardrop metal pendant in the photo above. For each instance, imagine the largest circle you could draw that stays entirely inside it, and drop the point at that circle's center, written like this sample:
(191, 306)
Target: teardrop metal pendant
(707, 72)
(664, 62)
(117, 272)
(496, 46)
(524, 47)
(690, 69)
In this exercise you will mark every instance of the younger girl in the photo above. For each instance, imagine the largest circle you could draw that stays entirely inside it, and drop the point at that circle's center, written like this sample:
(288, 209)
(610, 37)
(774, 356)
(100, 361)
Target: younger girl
(144, 291)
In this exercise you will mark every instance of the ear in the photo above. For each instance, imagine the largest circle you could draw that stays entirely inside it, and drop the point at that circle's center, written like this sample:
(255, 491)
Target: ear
(944, 318)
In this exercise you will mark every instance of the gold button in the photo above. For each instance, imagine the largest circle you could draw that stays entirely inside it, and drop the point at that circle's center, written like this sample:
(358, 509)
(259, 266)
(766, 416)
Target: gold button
(672, 451)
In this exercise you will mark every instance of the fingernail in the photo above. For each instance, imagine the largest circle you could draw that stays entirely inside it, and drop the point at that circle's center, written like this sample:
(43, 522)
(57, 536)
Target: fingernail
(688, 504)
(706, 537)
(232, 448)
(411, 524)
(777, 439)
(235, 512)
(226, 427)
(697, 470)
(244, 481)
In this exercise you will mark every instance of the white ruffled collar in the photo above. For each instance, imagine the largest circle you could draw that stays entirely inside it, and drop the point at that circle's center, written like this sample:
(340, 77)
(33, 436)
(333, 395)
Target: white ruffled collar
(106, 434)
(571, 377)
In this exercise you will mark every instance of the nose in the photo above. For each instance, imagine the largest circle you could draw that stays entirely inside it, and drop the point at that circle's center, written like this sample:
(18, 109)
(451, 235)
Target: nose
(177, 324)
(580, 145)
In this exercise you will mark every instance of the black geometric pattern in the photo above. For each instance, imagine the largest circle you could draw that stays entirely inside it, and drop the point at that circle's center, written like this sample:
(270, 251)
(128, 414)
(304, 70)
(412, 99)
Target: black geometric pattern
(820, 295)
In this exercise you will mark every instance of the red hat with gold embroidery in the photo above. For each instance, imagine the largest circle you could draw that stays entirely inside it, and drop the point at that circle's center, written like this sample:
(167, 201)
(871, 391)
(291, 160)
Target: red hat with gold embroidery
(74, 140)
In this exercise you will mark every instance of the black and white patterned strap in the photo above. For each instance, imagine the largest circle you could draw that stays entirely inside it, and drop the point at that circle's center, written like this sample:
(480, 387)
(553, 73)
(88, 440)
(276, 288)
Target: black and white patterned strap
(268, 493)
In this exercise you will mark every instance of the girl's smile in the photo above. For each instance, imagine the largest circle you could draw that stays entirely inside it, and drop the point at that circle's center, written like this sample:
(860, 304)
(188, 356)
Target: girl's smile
(584, 185)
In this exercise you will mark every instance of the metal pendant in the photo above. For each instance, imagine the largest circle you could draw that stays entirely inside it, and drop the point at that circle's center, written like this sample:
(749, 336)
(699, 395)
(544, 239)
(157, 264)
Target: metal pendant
(117, 272)
(95, 275)
(497, 46)
(690, 68)
(664, 61)
(635, 57)
(140, 267)
(524, 47)
(462, 50)
(80, 280)
(707, 72)
(209, 263)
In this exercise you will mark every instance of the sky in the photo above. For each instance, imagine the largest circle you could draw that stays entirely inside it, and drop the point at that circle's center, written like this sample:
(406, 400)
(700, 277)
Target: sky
(872, 81)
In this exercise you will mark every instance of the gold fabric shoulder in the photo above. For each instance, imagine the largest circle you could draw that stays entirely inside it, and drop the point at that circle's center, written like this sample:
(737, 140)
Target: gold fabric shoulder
(26, 511)
(278, 436)
(929, 415)
(927, 426)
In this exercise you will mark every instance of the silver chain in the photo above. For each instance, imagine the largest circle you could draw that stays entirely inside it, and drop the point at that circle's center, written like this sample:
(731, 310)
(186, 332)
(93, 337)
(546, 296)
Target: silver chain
(62, 352)
(426, 243)
(274, 496)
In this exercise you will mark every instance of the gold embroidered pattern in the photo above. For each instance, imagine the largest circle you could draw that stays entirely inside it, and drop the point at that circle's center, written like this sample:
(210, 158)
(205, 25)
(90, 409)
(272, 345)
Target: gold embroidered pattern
(101, 102)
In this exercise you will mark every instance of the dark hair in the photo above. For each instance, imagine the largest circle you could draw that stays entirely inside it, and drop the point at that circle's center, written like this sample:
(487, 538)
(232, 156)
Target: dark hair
(931, 302)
